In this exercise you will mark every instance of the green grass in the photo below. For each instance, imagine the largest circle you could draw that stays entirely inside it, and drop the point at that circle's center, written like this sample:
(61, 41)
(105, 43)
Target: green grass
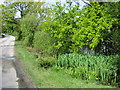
(50, 78)
(91, 67)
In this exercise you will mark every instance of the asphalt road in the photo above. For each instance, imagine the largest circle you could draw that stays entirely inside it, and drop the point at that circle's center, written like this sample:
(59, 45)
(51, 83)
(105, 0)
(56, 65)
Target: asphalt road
(8, 74)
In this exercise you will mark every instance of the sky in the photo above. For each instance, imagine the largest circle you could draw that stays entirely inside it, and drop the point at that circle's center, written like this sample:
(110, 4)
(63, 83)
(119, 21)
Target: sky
(1, 1)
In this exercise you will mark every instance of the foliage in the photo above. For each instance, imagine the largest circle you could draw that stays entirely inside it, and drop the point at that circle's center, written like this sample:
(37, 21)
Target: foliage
(89, 67)
(25, 7)
(77, 28)
(45, 62)
(113, 40)
(73, 28)
(116, 42)
(44, 43)
(9, 24)
(28, 25)
(93, 25)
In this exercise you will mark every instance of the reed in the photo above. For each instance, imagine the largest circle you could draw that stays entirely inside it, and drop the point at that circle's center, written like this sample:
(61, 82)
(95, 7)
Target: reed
(89, 67)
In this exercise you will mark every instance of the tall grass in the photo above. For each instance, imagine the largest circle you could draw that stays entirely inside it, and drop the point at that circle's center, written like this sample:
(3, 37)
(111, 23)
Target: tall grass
(90, 67)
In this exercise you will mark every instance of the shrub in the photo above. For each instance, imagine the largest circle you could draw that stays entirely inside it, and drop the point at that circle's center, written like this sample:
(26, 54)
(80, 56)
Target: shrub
(89, 67)
(43, 43)
(46, 62)
(28, 26)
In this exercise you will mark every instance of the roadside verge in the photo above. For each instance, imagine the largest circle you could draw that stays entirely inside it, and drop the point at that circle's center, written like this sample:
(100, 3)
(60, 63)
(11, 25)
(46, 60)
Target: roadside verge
(24, 79)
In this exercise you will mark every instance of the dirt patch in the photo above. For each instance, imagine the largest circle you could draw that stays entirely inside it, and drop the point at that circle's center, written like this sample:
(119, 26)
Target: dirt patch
(24, 79)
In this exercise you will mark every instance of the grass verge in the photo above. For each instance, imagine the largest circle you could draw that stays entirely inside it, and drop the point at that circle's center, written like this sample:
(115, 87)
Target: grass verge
(50, 78)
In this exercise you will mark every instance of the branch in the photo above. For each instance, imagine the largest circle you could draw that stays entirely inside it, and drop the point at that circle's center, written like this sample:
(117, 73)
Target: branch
(87, 3)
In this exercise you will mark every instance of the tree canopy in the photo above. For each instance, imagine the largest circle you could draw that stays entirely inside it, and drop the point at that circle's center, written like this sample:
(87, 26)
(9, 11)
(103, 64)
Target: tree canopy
(95, 26)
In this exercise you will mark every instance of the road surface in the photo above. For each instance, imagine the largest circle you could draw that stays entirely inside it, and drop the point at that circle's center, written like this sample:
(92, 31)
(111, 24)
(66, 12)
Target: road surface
(8, 74)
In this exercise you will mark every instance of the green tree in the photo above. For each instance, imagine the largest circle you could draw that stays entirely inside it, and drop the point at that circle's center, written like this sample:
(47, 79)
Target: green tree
(9, 10)
(74, 28)
(94, 25)
(7, 19)
(112, 43)
(28, 7)
(28, 26)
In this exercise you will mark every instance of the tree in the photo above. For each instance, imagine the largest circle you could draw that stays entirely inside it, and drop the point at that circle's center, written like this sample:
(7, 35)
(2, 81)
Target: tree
(78, 28)
(28, 7)
(28, 26)
(7, 19)
(94, 25)
(112, 41)
(9, 10)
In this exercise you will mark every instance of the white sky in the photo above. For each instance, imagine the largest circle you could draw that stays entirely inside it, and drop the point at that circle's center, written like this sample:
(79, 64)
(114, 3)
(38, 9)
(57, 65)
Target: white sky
(1, 1)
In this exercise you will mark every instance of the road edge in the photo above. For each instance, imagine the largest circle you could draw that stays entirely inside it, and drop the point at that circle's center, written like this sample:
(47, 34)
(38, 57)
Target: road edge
(24, 79)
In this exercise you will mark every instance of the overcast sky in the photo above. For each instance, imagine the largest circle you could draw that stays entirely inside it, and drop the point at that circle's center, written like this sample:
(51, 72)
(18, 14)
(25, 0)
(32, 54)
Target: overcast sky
(1, 1)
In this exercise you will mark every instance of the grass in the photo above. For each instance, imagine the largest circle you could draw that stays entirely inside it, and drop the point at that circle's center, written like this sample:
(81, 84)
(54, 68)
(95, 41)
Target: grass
(90, 67)
(50, 78)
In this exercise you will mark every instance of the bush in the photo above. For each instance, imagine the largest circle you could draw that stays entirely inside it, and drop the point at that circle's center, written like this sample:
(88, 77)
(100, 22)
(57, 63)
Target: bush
(43, 43)
(46, 62)
(89, 67)
(28, 26)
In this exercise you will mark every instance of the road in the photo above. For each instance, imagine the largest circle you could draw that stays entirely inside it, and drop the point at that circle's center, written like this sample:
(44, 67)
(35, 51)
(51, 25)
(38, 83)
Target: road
(8, 72)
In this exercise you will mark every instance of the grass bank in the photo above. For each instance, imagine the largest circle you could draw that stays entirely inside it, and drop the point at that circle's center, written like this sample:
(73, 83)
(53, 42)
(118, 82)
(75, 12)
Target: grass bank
(50, 78)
